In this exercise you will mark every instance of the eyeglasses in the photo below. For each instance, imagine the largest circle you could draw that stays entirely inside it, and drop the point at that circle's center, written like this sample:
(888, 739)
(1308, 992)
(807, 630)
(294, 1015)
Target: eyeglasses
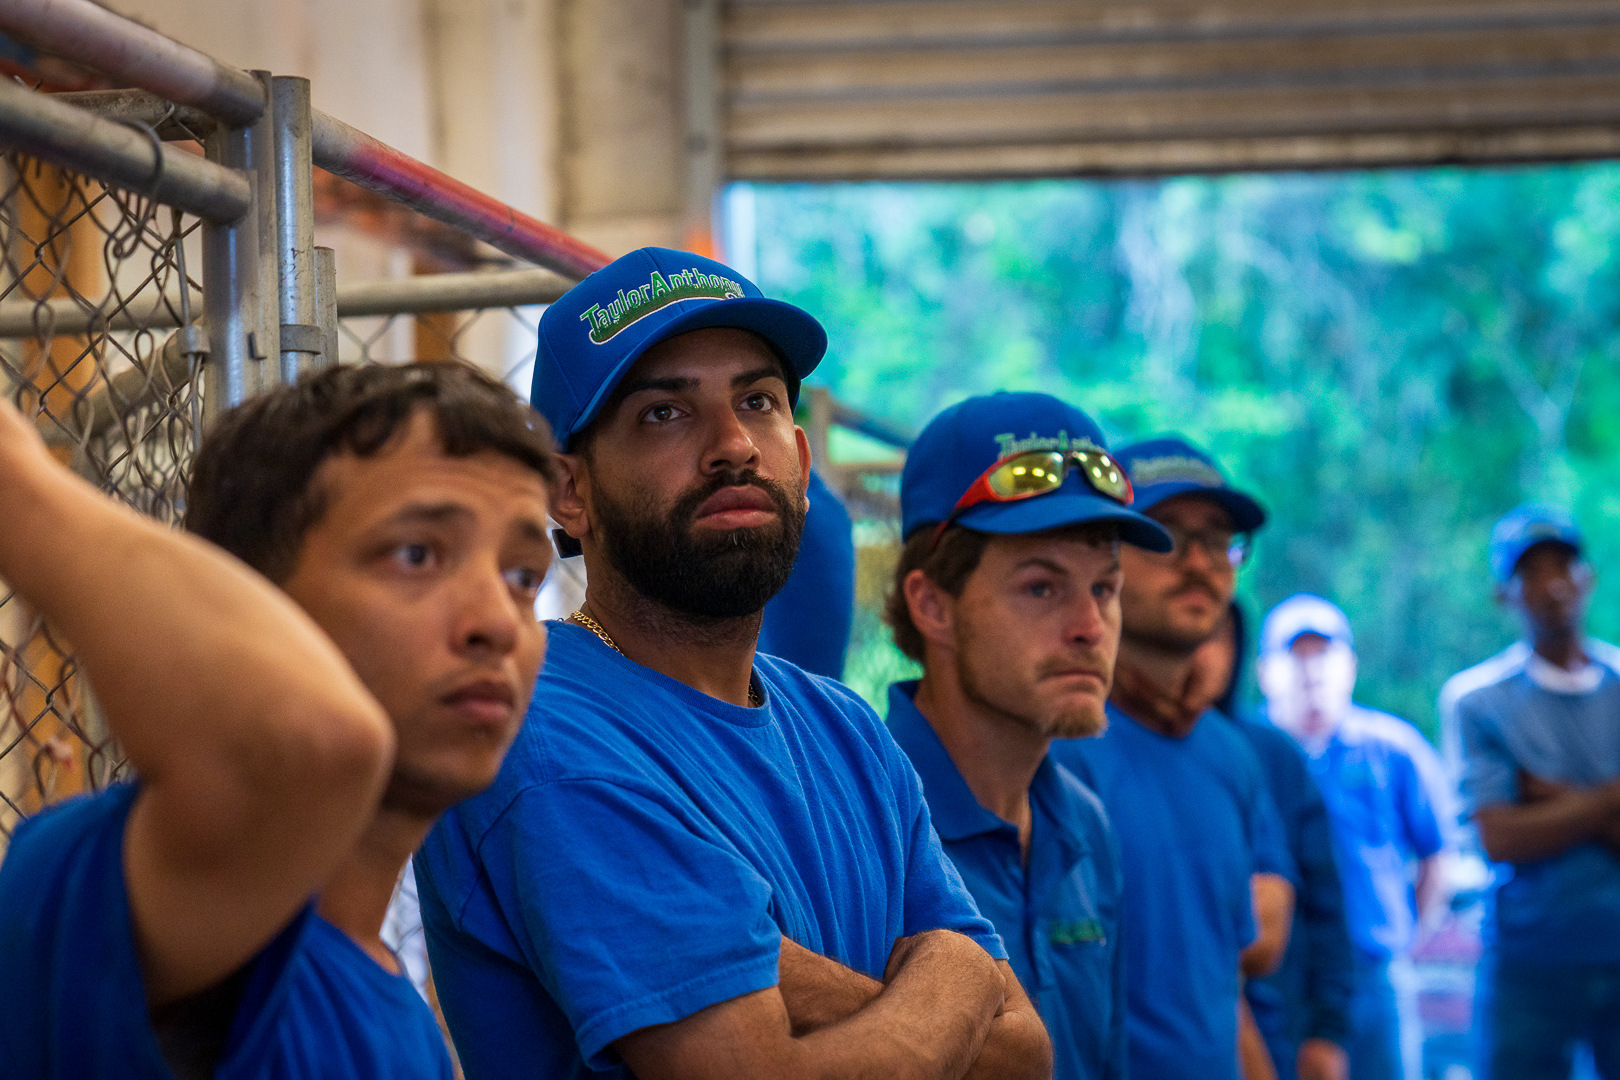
(1038, 472)
(1216, 544)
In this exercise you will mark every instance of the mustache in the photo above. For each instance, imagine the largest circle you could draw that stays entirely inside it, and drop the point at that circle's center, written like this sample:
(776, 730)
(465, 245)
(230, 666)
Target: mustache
(1193, 581)
(1095, 662)
(686, 507)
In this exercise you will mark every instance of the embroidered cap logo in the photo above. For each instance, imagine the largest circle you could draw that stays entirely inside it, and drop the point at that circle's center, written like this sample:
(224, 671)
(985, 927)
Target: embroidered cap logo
(659, 292)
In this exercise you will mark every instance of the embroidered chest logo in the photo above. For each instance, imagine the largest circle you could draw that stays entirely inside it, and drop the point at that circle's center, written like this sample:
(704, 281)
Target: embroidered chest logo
(659, 292)
(1076, 932)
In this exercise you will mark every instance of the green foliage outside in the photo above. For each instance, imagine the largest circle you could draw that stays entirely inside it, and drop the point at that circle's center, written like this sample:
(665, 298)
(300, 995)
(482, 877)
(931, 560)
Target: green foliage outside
(1390, 360)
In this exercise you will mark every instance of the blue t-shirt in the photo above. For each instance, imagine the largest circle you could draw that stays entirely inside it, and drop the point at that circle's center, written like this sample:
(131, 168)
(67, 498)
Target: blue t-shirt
(1565, 909)
(73, 1003)
(1194, 823)
(1384, 814)
(1308, 996)
(808, 622)
(1060, 916)
(646, 847)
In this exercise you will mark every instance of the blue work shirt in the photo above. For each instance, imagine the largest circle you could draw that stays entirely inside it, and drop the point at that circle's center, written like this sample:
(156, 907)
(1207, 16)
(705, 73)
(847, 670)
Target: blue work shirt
(73, 1001)
(1383, 809)
(1308, 996)
(1059, 917)
(808, 622)
(1566, 729)
(646, 848)
(1195, 823)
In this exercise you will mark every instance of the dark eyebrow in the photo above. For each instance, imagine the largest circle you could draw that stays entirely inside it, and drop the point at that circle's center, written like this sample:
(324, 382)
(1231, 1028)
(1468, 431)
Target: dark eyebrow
(747, 378)
(429, 513)
(530, 529)
(673, 384)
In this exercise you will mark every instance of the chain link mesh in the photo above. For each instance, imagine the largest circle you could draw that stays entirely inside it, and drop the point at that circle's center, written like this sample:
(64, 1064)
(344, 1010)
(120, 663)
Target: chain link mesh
(93, 281)
(500, 340)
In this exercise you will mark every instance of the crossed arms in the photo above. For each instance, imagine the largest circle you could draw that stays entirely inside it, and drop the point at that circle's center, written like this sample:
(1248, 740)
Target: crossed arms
(1549, 819)
(944, 1011)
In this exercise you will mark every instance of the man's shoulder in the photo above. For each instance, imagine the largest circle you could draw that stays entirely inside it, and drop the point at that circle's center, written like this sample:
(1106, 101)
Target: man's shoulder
(1484, 676)
(1388, 730)
(82, 829)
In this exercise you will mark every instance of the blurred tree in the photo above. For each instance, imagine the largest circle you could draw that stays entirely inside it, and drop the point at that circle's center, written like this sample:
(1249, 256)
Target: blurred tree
(1389, 359)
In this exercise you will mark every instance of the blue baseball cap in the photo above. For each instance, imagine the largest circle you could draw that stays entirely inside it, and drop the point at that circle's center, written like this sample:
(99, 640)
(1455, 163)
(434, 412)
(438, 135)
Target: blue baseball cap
(595, 331)
(962, 442)
(1300, 614)
(1522, 528)
(1169, 466)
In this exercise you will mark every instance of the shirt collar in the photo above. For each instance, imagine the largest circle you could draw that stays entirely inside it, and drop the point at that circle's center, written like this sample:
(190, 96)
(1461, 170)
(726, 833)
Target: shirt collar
(1554, 679)
(956, 811)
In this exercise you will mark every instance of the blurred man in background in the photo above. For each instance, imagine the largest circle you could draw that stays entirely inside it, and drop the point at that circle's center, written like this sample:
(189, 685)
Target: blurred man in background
(1387, 803)
(1007, 592)
(1303, 1008)
(1539, 731)
(1205, 864)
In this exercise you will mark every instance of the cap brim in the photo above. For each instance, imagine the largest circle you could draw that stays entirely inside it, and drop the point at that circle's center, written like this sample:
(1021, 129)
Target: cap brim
(795, 335)
(1247, 515)
(1061, 509)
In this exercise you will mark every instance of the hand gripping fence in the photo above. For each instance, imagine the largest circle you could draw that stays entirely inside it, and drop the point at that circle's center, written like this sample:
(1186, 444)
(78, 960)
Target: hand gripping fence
(147, 285)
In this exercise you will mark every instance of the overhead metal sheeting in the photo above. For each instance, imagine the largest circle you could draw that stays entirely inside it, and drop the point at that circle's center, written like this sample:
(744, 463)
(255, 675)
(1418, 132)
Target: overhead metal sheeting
(908, 89)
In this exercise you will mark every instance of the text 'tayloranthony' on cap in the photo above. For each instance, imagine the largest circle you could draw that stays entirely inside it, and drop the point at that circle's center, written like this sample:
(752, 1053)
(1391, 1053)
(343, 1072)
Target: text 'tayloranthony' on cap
(593, 334)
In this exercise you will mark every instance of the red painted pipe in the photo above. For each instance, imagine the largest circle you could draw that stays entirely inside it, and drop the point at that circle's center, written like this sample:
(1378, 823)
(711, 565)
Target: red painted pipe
(398, 177)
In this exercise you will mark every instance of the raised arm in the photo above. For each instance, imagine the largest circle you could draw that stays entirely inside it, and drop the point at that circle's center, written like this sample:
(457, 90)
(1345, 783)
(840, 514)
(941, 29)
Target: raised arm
(259, 753)
(946, 1010)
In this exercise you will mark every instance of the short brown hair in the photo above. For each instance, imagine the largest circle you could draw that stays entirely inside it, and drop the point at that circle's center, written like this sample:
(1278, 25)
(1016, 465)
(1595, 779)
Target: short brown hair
(949, 564)
(250, 489)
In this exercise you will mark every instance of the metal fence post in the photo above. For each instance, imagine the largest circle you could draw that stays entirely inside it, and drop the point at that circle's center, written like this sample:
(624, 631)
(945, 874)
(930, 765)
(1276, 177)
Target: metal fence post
(301, 336)
(230, 285)
(326, 304)
(265, 359)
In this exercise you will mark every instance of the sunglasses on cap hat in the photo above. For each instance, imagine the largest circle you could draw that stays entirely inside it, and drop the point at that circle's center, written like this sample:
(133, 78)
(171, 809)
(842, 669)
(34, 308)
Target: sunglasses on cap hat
(1040, 472)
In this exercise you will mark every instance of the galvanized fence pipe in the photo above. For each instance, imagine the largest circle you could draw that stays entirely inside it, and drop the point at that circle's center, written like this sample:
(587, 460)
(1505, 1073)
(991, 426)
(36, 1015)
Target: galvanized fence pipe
(300, 335)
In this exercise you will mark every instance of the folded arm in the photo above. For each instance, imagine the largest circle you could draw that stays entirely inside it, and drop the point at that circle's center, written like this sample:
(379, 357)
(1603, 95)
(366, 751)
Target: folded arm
(945, 1010)
(1550, 819)
(260, 755)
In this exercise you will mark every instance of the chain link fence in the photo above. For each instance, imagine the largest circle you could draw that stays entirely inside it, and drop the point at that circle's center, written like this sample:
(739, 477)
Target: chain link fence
(93, 283)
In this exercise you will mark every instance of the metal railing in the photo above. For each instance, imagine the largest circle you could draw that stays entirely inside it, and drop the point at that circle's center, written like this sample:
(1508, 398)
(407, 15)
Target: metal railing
(146, 286)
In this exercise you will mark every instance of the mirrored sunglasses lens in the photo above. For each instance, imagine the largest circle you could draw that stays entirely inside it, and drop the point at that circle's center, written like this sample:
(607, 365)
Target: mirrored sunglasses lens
(1027, 474)
(1104, 474)
(1237, 552)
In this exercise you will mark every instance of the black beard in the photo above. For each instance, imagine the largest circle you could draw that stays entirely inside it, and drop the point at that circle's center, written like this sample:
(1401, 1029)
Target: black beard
(708, 580)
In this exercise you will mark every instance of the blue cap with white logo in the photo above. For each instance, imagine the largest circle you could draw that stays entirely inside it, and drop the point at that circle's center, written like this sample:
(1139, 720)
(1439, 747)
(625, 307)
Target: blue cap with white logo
(1301, 614)
(965, 440)
(1522, 528)
(1169, 466)
(593, 334)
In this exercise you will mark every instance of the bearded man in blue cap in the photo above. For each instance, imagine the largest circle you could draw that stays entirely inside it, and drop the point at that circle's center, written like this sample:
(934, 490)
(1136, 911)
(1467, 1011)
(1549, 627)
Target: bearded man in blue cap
(700, 861)
(1539, 733)
(1202, 850)
(1007, 592)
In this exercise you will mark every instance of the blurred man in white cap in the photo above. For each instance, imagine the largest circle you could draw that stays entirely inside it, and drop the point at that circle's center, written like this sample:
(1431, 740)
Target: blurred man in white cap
(1386, 801)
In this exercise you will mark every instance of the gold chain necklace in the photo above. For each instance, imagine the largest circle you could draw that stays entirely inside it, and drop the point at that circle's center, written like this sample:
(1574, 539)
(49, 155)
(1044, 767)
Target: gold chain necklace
(595, 627)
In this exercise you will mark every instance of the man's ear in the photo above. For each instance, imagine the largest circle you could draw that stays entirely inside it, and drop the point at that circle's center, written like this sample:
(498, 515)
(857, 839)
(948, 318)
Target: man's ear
(570, 504)
(933, 610)
(803, 442)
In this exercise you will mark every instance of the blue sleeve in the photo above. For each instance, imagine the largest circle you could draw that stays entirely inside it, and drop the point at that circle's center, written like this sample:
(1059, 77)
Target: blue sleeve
(1267, 836)
(1419, 822)
(1329, 963)
(1490, 774)
(936, 897)
(642, 917)
(809, 620)
(1117, 1067)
